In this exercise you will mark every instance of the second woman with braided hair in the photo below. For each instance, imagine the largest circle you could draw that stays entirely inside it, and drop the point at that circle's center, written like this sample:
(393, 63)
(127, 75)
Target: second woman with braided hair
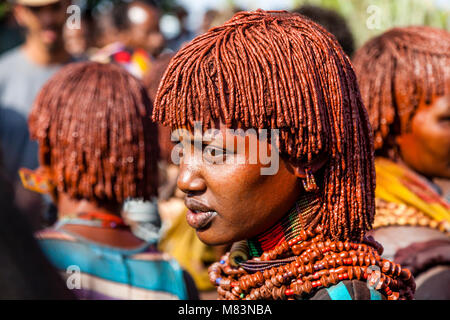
(98, 147)
(404, 78)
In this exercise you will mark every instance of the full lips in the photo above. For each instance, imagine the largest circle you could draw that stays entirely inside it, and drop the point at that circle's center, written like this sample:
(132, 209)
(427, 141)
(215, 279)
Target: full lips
(199, 219)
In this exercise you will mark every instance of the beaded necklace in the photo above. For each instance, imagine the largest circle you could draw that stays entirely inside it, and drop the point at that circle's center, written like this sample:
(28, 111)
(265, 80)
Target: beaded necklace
(301, 262)
(399, 214)
(287, 228)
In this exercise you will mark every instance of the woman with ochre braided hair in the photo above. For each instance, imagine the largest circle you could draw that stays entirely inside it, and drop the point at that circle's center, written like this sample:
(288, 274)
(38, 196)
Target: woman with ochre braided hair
(298, 231)
(98, 147)
(404, 78)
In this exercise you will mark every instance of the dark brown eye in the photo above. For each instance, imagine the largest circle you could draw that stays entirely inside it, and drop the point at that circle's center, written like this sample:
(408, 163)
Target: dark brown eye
(444, 118)
(177, 153)
(213, 154)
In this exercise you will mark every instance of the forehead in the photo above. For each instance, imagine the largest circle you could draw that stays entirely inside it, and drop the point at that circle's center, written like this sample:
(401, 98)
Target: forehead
(218, 132)
(56, 6)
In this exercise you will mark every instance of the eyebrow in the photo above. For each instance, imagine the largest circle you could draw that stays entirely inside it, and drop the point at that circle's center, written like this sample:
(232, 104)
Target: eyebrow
(200, 142)
(192, 138)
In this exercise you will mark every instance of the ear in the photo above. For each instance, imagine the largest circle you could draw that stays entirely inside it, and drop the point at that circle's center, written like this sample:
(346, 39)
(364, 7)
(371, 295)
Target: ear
(18, 12)
(403, 141)
(299, 168)
(23, 15)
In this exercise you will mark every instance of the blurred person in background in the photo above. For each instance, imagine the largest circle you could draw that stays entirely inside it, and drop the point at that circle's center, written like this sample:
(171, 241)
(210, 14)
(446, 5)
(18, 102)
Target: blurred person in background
(25, 273)
(77, 41)
(333, 22)
(404, 78)
(98, 148)
(23, 70)
(142, 27)
(20, 151)
(184, 35)
(128, 34)
(10, 32)
(39, 57)
(208, 20)
(213, 18)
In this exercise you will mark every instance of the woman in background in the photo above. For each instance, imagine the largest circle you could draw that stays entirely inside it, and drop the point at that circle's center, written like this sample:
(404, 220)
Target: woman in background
(404, 78)
(98, 147)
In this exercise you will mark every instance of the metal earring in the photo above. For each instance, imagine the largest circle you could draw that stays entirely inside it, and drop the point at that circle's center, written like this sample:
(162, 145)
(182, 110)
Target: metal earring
(309, 183)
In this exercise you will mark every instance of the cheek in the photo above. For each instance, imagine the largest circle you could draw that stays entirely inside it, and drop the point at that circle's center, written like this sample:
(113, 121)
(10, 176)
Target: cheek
(61, 19)
(31, 21)
(247, 202)
(427, 147)
(430, 136)
(231, 192)
(232, 186)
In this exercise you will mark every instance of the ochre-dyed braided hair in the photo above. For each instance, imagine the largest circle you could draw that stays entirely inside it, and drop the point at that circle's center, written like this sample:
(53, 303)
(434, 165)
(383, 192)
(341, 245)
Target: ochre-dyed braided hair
(273, 69)
(92, 122)
(396, 71)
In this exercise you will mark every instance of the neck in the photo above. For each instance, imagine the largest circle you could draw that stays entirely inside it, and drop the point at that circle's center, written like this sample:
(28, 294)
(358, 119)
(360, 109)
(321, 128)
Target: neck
(444, 185)
(39, 54)
(300, 217)
(113, 237)
(68, 206)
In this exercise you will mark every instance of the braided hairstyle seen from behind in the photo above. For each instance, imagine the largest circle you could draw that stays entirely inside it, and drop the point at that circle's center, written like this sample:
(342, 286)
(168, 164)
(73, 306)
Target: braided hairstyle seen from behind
(396, 72)
(92, 122)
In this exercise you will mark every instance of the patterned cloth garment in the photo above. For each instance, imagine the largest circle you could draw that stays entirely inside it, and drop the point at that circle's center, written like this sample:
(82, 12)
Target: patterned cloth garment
(113, 273)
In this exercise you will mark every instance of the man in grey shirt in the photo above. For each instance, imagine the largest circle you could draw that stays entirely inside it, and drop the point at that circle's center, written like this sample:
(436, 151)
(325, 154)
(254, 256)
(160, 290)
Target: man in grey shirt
(23, 71)
(21, 79)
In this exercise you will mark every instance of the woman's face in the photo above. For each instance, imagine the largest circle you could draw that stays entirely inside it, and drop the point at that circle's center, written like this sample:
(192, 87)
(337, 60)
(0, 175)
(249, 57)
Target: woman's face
(426, 148)
(227, 196)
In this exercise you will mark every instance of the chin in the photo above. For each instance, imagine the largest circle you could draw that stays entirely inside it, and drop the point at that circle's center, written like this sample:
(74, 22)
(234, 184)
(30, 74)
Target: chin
(437, 171)
(210, 238)
(443, 174)
(53, 46)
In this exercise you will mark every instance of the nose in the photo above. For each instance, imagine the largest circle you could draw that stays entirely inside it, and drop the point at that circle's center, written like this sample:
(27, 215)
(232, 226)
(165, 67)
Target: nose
(190, 180)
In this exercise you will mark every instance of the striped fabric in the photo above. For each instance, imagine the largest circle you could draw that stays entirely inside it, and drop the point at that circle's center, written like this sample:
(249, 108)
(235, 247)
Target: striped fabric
(96, 271)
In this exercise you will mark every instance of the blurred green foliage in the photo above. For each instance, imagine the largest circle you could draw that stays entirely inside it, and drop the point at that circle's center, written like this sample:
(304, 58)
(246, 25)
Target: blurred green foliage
(368, 18)
(4, 8)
